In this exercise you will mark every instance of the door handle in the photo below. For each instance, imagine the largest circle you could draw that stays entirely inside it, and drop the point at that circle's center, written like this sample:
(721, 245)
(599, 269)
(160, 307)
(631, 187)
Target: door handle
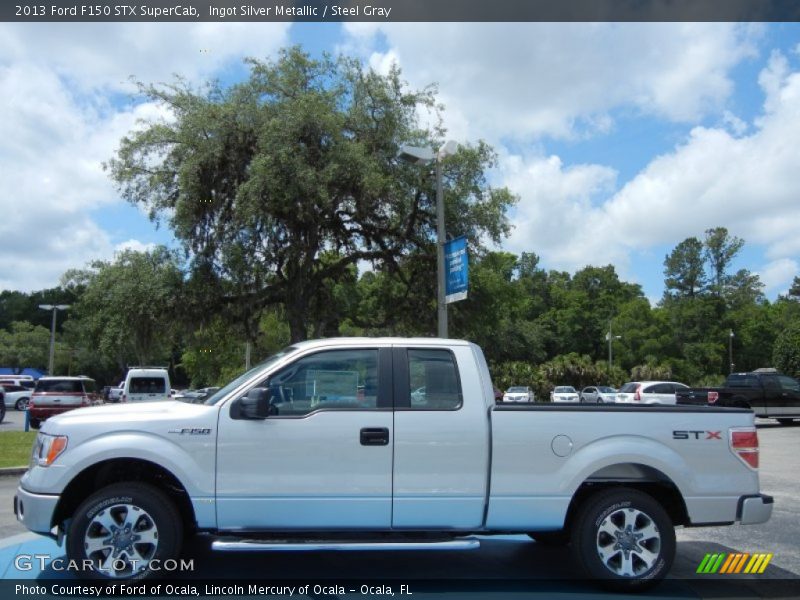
(375, 436)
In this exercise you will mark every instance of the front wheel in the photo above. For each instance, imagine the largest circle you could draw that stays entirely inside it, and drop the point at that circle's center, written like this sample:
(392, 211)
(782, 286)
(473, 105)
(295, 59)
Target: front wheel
(625, 539)
(124, 531)
(21, 404)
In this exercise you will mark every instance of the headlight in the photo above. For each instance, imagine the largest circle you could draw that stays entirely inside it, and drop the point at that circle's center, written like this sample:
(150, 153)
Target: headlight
(47, 449)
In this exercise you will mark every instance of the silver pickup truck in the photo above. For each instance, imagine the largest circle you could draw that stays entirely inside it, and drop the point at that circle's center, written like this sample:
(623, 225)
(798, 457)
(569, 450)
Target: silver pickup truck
(324, 446)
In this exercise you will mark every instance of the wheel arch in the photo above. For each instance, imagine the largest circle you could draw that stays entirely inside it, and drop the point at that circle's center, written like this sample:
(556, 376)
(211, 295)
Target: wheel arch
(120, 470)
(638, 476)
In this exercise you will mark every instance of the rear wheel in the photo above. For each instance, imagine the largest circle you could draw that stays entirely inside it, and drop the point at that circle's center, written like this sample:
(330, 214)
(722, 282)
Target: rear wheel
(34, 423)
(125, 531)
(786, 421)
(624, 538)
(21, 404)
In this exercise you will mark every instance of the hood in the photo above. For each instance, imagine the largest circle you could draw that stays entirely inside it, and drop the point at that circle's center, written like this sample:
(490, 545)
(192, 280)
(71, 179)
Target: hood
(123, 416)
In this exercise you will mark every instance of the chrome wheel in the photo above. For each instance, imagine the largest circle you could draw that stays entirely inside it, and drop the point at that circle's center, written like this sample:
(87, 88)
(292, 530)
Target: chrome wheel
(628, 542)
(121, 540)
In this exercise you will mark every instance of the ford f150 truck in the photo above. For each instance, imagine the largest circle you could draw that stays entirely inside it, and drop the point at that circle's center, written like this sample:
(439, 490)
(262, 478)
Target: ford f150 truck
(324, 446)
(767, 393)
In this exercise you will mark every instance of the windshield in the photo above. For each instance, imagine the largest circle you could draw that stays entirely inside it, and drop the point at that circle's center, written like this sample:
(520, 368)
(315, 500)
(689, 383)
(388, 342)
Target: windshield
(565, 389)
(607, 390)
(221, 393)
(517, 390)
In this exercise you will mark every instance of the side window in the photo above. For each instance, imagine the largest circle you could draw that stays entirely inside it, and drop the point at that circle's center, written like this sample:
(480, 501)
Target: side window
(789, 384)
(336, 379)
(433, 380)
(660, 388)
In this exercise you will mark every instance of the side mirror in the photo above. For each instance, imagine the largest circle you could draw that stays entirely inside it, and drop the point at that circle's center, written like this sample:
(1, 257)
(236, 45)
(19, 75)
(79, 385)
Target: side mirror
(255, 405)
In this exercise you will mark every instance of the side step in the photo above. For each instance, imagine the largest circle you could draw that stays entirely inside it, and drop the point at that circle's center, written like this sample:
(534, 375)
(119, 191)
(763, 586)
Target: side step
(255, 545)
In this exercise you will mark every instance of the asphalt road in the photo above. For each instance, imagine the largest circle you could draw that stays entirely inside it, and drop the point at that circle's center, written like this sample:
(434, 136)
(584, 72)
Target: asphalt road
(511, 564)
(13, 421)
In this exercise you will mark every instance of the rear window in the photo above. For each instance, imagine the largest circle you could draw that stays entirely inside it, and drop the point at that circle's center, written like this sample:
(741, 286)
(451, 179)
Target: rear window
(63, 386)
(744, 381)
(148, 385)
(629, 388)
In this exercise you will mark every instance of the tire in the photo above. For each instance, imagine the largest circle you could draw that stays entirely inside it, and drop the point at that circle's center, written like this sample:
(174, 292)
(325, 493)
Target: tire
(786, 421)
(34, 423)
(22, 403)
(550, 538)
(132, 509)
(641, 524)
(2, 409)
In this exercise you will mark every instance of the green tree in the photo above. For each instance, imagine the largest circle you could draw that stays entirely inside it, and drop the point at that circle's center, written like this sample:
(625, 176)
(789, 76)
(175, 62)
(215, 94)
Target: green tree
(786, 352)
(129, 308)
(301, 159)
(24, 345)
(720, 250)
(683, 268)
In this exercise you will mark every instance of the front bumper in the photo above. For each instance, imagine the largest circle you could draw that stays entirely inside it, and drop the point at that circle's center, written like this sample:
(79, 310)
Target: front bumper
(35, 511)
(755, 509)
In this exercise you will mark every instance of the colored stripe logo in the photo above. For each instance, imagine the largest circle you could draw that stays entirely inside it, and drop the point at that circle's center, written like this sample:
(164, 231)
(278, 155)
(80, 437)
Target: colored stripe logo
(727, 564)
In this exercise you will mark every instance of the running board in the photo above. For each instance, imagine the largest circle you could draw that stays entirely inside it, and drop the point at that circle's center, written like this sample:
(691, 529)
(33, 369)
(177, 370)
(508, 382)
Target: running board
(250, 545)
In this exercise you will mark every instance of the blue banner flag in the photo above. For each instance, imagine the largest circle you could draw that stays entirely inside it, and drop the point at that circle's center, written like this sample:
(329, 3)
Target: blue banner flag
(456, 265)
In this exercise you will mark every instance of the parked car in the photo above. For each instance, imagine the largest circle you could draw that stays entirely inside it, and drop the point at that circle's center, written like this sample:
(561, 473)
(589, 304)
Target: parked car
(26, 381)
(600, 394)
(649, 392)
(564, 393)
(292, 445)
(115, 393)
(519, 393)
(56, 395)
(146, 384)
(16, 396)
(767, 393)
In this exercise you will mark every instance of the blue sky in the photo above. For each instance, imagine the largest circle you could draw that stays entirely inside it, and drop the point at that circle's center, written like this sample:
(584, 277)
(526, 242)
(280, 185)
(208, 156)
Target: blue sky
(621, 140)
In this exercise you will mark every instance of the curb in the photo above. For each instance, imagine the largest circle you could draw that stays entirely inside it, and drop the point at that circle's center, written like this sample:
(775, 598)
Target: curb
(8, 471)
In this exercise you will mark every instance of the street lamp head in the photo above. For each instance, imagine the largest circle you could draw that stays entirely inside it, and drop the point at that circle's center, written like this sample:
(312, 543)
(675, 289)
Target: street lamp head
(46, 306)
(732, 334)
(62, 306)
(448, 149)
(417, 155)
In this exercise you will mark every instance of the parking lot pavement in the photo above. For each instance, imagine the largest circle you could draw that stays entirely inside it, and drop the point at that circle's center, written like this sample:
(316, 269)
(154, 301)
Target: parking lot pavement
(13, 421)
(504, 565)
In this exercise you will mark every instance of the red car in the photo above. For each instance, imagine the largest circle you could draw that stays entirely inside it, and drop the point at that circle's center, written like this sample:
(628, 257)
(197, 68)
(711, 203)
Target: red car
(55, 395)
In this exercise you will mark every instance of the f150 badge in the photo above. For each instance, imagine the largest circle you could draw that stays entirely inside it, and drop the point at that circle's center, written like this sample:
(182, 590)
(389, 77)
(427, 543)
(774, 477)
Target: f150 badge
(697, 435)
(192, 431)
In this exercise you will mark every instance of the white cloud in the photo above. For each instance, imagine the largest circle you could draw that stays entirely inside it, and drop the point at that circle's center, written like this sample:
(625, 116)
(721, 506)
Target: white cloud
(748, 184)
(777, 276)
(134, 245)
(562, 80)
(60, 123)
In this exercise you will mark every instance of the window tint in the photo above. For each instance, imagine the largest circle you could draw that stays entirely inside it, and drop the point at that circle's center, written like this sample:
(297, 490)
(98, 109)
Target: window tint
(659, 388)
(64, 386)
(89, 386)
(147, 385)
(433, 379)
(336, 379)
(789, 384)
(629, 388)
(741, 380)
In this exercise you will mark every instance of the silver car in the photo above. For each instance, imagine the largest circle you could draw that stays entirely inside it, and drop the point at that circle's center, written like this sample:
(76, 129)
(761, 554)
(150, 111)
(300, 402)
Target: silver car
(599, 394)
(649, 392)
(518, 393)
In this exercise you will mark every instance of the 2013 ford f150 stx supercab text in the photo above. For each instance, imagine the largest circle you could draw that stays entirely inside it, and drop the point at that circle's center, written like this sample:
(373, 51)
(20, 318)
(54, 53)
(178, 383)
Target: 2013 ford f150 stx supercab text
(325, 446)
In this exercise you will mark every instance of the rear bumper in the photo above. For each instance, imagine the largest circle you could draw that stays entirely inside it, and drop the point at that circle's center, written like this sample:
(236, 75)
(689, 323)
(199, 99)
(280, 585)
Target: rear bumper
(46, 412)
(755, 509)
(35, 511)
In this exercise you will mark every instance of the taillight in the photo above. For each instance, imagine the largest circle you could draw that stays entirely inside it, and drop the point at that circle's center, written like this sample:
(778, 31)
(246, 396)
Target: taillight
(85, 401)
(713, 397)
(637, 396)
(744, 444)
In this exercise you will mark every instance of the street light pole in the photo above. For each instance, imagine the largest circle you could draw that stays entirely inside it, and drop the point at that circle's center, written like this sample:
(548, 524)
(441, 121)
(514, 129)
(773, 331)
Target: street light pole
(610, 339)
(425, 156)
(730, 351)
(55, 308)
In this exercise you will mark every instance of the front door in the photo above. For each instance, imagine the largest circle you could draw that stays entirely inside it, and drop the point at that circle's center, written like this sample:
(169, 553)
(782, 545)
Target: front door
(323, 459)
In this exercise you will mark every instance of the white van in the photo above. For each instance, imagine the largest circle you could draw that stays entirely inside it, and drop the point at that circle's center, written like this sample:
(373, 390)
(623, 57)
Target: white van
(25, 381)
(146, 384)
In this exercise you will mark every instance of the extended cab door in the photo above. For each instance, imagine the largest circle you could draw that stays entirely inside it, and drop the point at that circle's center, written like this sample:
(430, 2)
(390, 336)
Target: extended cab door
(323, 458)
(441, 433)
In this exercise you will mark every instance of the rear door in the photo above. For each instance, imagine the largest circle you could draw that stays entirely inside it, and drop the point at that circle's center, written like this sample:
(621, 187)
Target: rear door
(147, 388)
(789, 402)
(441, 448)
